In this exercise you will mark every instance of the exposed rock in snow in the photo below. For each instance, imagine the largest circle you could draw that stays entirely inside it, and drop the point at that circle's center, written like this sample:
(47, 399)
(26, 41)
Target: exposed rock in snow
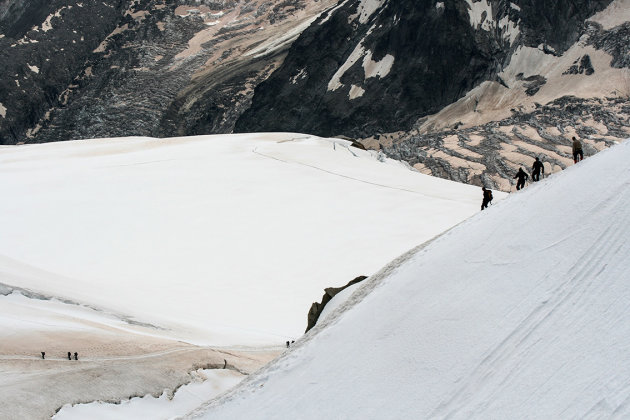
(317, 308)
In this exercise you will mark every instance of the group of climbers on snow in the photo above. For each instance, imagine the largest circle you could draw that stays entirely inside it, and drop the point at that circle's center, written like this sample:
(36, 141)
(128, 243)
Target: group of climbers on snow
(76, 355)
(537, 168)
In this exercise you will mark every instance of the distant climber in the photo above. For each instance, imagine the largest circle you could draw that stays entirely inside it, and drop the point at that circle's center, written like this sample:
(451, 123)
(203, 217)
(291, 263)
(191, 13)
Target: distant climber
(577, 151)
(69, 356)
(487, 197)
(288, 344)
(537, 168)
(522, 177)
(76, 356)
(43, 355)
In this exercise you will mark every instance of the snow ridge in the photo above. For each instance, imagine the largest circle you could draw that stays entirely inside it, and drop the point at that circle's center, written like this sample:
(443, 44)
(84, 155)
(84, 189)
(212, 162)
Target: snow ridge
(520, 311)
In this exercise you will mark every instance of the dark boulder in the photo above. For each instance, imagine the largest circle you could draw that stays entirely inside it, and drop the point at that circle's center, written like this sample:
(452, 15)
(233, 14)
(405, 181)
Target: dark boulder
(330, 292)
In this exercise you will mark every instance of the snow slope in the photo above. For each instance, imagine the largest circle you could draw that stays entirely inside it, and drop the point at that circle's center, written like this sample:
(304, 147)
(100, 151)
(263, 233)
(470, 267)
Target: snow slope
(519, 312)
(220, 240)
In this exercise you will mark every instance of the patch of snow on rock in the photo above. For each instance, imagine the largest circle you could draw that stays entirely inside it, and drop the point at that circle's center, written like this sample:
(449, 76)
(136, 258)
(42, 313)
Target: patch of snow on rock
(481, 17)
(34, 69)
(330, 12)
(3, 110)
(47, 25)
(365, 9)
(335, 82)
(301, 75)
(355, 92)
(480, 13)
(377, 68)
(615, 14)
(510, 29)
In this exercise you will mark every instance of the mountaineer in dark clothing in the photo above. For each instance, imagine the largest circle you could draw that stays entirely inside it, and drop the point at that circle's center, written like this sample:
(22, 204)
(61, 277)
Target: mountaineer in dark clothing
(537, 167)
(577, 151)
(76, 356)
(522, 176)
(487, 198)
(69, 356)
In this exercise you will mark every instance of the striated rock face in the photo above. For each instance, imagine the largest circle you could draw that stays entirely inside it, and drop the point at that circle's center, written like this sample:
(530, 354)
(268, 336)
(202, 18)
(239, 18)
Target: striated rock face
(85, 69)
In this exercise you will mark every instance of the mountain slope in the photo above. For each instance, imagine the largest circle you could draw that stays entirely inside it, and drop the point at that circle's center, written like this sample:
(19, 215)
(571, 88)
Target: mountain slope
(520, 311)
(88, 69)
(465, 90)
(379, 66)
(204, 235)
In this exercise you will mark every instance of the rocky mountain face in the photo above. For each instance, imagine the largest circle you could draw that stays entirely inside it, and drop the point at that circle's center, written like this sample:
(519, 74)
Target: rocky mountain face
(463, 89)
(84, 69)
(417, 79)
(380, 65)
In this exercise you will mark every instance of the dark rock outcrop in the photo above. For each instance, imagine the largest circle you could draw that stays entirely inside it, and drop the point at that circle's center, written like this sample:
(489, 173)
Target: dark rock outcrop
(84, 68)
(581, 66)
(330, 292)
(431, 54)
(41, 56)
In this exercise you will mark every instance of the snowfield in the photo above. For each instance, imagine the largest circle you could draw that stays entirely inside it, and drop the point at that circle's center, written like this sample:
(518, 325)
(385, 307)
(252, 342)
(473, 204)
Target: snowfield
(221, 240)
(140, 253)
(519, 312)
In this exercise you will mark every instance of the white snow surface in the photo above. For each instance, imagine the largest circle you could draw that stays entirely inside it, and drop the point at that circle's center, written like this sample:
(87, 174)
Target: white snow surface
(615, 14)
(519, 312)
(34, 69)
(377, 68)
(207, 383)
(365, 9)
(480, 13)
(337, 300)
(221, 240)
(3, 110)
(335, 82)
(355, 92)
(481, 17)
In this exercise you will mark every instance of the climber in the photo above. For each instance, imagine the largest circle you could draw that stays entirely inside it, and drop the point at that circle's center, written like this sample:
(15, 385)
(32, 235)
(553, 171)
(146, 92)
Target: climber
(522, 177)
(537, 168)
(487, 198)
(577, 151)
